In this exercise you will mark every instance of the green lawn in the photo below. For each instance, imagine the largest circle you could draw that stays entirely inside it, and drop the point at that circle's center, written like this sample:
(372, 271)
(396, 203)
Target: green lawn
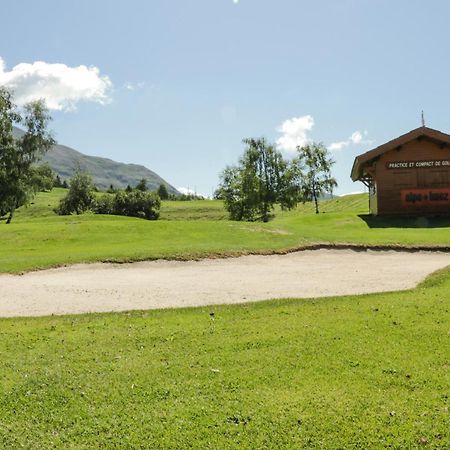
(38, 238)
(349, 372)
(368, 371)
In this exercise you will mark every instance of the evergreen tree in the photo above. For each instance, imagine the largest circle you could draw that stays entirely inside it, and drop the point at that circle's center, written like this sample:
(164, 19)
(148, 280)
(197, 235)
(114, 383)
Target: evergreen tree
(142, 185)
(162, 192)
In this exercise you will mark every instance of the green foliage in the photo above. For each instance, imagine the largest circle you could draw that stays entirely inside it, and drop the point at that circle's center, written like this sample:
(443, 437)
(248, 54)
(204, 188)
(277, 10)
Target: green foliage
(162, 192)
(142, 185)
(57, 182)
(312, 171)
(17, 156)
(43, 178)
(80, 197)
(136, 203)
(105, 204)
(335, 373)
(260, 180)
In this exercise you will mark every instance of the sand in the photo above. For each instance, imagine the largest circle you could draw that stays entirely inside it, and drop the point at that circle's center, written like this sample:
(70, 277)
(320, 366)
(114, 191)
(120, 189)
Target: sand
(171, 284)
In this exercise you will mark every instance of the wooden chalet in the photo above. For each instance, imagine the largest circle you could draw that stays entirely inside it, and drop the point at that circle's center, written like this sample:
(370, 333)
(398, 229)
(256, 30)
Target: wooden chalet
(409, 175)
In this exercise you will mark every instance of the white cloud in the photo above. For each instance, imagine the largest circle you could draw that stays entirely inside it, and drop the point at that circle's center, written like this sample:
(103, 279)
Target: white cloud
(61, 86)
(188, 191)
(133, 86)
(294, 132)
(185, 191)
(338, 145)
(357, 137)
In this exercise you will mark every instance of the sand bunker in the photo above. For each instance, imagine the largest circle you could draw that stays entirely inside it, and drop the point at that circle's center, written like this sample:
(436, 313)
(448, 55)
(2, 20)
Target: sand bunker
(167, 284)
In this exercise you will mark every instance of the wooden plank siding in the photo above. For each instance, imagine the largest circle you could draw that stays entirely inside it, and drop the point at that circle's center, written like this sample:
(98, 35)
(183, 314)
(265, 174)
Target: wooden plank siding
(409, 175)
(390, 182)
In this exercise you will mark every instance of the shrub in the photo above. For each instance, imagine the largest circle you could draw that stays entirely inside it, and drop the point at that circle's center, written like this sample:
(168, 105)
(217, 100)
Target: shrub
(104, 204)
(136, 203)
(80, 197)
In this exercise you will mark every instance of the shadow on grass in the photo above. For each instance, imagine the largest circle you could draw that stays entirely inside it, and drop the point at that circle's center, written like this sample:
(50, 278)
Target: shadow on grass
(405, 222)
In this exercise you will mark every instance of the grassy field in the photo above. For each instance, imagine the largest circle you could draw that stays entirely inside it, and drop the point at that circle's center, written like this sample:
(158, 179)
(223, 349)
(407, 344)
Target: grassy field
(366, 371)
(350, 372)
(38, 238)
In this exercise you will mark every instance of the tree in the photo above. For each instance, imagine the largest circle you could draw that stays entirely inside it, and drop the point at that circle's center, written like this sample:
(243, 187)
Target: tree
(58, 182)
(312, 170)
(162, 192)
(80, 197)
(18, 155)
(261, 179)
(43, 178)
(142, 185)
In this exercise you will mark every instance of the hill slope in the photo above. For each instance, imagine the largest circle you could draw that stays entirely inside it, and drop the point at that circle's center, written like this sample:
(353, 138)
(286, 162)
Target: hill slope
(65, 160)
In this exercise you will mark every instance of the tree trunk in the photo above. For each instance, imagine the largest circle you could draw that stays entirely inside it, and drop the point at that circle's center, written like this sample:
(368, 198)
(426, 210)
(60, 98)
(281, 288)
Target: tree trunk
(315, 200)
(8, 220)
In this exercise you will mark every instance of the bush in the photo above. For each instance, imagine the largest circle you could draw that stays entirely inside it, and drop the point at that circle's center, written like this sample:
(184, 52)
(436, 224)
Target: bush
(136, 203)
(80, 197)
(104, 204)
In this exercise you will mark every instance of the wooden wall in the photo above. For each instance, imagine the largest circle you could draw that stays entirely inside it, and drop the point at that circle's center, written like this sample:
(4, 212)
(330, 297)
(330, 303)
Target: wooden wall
(405, 191)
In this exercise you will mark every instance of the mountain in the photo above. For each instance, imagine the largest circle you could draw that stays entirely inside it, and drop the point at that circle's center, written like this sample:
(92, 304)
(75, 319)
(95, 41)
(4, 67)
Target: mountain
(65, 160)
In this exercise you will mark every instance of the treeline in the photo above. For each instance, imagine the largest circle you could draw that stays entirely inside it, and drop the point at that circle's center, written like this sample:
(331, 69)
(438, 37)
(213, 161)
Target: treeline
(82, 197)
(138, 201)
(162, 192)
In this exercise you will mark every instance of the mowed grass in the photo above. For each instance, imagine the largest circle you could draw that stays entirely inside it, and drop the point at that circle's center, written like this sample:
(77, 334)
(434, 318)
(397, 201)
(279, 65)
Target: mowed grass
(368, 371)
(38, 238)
(371, 371)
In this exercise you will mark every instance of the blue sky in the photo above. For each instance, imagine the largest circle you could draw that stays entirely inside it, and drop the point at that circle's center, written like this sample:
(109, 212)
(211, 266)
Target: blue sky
(177, 84)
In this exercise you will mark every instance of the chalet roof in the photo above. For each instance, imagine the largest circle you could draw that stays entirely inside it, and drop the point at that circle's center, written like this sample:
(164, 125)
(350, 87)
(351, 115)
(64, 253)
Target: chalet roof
(422, 132)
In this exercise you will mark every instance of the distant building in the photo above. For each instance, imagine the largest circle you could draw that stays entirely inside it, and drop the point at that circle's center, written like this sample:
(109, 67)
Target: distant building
(409, 175)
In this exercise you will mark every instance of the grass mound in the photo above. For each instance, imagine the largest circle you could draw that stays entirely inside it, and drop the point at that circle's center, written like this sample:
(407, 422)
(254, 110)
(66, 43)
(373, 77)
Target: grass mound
(38, 238)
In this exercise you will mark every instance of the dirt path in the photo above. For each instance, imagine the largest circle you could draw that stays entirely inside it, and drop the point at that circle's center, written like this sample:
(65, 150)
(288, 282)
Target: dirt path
(165, 284)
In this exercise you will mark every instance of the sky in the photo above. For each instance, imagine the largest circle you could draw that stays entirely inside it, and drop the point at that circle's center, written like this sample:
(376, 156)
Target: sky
(176, 85)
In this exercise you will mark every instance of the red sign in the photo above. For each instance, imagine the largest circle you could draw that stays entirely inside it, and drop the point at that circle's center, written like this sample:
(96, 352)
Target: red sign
(426, 197)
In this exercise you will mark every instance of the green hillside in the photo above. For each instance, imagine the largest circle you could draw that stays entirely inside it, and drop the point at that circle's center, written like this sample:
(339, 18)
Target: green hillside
(45, 202)
(38, 238)
(65, 161)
